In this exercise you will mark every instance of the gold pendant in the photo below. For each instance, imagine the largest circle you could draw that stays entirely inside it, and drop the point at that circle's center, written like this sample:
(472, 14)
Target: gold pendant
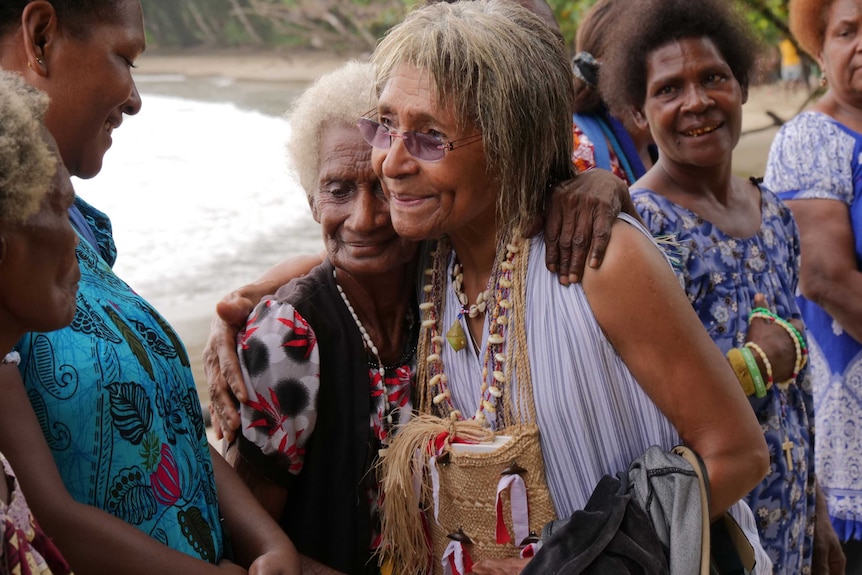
(456, 336)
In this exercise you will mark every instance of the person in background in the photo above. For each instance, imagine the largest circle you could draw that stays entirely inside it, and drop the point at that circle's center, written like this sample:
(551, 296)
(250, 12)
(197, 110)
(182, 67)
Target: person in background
(814, 167)
(591, 350)
(600, 139)
(735, 243)
(792, 77)
(114, 392)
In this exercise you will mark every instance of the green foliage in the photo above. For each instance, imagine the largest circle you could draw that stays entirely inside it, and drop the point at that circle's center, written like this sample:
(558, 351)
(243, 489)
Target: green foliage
(768, 18)
(350, 25)
(569, 14)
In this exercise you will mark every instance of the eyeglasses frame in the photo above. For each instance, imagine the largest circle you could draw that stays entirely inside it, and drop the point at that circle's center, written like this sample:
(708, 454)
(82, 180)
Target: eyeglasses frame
(444, 146)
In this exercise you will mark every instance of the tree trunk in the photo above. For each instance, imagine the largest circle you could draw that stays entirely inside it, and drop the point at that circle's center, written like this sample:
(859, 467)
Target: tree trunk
(246, 23)
(209, 35)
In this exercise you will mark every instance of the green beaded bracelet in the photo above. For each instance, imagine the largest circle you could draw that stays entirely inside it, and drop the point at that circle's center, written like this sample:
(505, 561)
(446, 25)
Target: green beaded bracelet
(791, 328)
(759, 386)
(762, 310)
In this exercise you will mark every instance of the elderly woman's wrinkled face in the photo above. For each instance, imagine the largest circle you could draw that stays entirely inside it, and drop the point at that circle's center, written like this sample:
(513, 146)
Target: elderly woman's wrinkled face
(428, 199)
(39, 271)
(91, 87)
(841, 56)
(693, 105)
(352, 210)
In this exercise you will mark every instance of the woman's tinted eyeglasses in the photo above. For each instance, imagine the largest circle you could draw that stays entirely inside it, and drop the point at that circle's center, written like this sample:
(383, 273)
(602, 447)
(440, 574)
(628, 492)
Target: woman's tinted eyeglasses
(425, 147)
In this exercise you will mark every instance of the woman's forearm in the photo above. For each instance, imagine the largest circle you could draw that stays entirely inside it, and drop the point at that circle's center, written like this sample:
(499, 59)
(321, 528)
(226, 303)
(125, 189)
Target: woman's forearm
(253, 532)
(81, 532)
(639, 305)
(829, 274)
(838, 295)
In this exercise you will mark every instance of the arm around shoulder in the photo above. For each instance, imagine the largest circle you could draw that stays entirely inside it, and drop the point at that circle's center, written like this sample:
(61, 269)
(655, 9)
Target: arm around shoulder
(220, 358)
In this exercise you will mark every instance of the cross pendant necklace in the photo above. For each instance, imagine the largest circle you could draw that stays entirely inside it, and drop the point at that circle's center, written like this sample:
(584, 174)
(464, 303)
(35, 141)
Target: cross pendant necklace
(787, 446)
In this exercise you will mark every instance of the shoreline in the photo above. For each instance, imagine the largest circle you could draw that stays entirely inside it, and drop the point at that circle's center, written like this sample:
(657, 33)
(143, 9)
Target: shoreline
(252, 65)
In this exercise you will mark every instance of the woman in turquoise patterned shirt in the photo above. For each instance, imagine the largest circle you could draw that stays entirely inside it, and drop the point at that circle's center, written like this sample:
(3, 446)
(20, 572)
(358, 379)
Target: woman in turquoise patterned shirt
(113, 392)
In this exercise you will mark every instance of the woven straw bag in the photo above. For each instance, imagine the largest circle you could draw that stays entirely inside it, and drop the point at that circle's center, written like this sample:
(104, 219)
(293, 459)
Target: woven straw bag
(468, 481)
(468, 488)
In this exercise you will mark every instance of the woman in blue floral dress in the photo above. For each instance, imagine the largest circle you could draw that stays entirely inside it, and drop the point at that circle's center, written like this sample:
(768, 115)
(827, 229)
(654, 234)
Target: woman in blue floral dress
(735, 246)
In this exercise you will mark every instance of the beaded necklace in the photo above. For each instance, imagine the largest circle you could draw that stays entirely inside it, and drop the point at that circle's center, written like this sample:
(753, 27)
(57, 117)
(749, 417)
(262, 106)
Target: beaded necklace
(471, 310)
(389, 385)
(388, 396)
(495, 371)
(366, 339)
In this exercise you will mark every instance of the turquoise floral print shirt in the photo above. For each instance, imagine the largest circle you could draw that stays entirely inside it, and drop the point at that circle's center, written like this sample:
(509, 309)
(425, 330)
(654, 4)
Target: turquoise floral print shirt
(116, 400)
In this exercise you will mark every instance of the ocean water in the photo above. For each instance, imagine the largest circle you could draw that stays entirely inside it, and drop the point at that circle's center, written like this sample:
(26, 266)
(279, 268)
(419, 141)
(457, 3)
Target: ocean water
(199, 192)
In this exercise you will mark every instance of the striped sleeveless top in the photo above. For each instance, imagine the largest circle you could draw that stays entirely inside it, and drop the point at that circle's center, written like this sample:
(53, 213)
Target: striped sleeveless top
(593, 417)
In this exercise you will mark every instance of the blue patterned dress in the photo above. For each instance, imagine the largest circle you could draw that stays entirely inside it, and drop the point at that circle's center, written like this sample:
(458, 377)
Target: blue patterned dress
(721, 275)
(117, 403)
(815, 157)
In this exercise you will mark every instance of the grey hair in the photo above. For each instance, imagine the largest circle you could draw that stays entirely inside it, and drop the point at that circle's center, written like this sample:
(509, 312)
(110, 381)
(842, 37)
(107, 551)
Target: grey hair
(505, 72)
(338, 98)
(27, 164)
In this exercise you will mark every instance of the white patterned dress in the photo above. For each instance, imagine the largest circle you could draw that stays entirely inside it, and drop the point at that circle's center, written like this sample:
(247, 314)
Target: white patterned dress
(815, 157)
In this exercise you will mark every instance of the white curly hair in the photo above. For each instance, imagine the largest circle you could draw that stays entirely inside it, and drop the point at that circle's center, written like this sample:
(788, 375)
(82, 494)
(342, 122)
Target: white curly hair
(27, 164)
(338, 98)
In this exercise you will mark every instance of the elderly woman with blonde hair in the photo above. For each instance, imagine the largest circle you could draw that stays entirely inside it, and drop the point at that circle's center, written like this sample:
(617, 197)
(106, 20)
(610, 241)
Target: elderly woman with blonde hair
(327, 360)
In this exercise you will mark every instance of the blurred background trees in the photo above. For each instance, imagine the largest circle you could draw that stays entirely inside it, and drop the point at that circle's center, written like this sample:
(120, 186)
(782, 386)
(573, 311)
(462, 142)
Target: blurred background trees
(345, 25)
(333, 25)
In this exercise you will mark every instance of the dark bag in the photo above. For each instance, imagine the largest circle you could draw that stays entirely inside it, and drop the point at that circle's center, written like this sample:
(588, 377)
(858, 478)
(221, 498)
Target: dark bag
(606, 537)
(615, 534)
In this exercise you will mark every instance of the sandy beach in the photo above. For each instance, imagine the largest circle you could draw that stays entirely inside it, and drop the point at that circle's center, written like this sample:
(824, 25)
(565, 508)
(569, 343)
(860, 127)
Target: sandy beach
(192, 321)
(293, 66)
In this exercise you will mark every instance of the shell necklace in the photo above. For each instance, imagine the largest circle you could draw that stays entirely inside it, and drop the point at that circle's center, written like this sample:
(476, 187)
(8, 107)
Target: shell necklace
(456, 336)
(494, 361)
